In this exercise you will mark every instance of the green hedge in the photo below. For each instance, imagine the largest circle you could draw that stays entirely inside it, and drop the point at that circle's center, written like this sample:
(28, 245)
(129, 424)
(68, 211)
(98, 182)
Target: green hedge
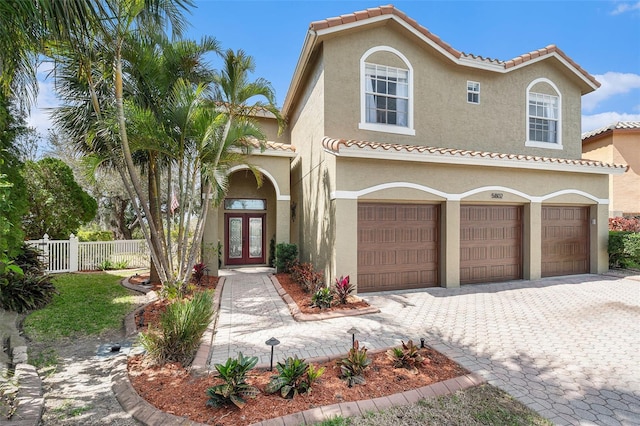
(286, 255)
(95, 236)
(624, 249)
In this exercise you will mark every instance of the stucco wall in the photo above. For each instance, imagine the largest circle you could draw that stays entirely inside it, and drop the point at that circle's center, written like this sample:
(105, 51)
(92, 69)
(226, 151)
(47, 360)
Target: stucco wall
(310, 182)
(442, 115)
(626, 187)
(445, 184)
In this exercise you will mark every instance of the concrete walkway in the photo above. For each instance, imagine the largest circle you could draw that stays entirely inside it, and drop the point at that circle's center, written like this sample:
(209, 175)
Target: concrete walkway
(567, 347)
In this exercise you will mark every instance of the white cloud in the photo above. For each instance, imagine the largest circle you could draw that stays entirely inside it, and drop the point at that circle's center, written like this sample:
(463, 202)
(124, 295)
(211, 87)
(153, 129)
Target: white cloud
(595, 121)
(47, 99)
(625, 7)
(613, 83)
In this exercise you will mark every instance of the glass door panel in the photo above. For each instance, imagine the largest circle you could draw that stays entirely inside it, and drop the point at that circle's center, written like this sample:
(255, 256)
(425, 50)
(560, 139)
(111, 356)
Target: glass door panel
(255, 237)
(235, 238)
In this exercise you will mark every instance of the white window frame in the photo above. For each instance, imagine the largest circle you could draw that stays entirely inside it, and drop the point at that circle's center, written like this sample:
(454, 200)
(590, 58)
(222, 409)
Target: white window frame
(473, 88)
(557, 145)
(381, 127)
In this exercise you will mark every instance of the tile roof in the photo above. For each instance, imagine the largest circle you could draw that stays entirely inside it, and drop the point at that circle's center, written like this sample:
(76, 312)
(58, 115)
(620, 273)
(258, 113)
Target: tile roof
(620, 125)
(391, 10)
(335, 145)
(272, 146)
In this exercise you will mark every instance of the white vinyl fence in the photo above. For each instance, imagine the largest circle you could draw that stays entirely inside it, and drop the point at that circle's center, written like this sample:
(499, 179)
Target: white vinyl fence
(72, 255)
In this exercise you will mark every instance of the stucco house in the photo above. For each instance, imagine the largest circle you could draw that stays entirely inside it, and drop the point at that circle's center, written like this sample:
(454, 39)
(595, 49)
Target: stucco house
(410, 164)
(618, 143)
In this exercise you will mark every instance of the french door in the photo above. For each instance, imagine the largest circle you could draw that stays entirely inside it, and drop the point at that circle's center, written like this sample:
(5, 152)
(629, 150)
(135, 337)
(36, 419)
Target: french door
(245, 238)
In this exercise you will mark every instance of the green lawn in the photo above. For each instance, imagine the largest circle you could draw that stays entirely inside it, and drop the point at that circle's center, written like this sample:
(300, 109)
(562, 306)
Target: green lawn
(88, 304)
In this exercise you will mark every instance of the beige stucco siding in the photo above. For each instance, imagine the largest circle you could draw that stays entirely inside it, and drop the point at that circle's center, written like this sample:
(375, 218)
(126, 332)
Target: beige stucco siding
(310, 181)
(442, 115)
(357, 174)
(619, 147)
(450, 186)
(275, 189)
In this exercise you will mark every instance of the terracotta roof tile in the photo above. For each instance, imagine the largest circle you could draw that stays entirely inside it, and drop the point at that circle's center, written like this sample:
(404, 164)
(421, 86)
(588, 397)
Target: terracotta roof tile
(619, 125)
(270, 145)
(335, 145)
(391, 10)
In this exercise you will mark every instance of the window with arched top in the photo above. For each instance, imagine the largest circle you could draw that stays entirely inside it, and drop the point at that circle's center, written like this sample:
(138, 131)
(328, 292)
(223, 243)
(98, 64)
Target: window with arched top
(544, 115)
(386, 93)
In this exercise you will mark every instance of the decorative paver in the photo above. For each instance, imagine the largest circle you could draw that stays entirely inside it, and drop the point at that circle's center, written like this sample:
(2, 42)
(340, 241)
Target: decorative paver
(566, 346)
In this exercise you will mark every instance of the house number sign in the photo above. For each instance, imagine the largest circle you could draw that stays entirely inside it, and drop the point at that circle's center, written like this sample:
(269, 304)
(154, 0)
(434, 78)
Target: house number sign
(496, 195)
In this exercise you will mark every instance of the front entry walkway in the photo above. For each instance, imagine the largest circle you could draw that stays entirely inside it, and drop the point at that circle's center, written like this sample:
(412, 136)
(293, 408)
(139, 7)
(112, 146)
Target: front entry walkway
(567, 347)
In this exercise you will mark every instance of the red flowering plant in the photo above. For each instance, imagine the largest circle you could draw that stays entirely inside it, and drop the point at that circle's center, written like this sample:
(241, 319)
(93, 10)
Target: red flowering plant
(343, 289)
(198, 271)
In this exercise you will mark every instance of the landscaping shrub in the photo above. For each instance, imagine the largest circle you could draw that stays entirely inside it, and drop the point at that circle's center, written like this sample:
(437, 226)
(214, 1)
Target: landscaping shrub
(624, 224)
(624, 249)
(353, 366)
(180, 329)
(27, 290)
(407, 356)
(343, 289)
(286, 255)
(235, 389)
(304, 275)
(294, 376)
(95, 236)
(322, 298)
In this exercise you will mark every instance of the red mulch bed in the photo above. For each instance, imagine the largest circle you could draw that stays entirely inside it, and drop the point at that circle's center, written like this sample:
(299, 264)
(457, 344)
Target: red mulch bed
(173, 390)
(303, 299)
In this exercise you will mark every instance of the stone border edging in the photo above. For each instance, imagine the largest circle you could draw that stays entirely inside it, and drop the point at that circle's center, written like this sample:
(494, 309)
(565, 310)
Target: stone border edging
(200, 361)
(299, 316)
(30, 400)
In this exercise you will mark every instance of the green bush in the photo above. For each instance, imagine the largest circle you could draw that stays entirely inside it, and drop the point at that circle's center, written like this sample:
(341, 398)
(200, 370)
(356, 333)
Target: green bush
(235, 389)
(624, 249)
(286, 255)
(27, 290)
(95, 236)
(181, 327)
(294, 376)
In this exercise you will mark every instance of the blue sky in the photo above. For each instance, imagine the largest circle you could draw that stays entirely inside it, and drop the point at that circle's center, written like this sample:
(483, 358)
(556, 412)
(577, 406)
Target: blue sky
(603, 37)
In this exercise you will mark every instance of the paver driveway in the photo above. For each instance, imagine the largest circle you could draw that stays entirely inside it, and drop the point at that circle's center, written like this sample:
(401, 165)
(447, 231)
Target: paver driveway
(567, 347)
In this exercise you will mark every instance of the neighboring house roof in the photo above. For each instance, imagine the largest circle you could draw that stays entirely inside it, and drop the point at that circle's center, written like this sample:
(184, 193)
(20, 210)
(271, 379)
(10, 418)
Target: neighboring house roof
(620, 125)
(375, 150)
(318, 29)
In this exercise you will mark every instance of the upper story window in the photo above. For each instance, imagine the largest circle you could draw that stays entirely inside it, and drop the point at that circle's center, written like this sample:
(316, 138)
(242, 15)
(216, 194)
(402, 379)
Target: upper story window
(386, 91)
(473, 92)
(544, 118)
(387, 95)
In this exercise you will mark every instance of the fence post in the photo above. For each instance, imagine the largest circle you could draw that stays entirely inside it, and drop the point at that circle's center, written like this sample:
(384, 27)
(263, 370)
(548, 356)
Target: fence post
(44, 247)
(73, 253)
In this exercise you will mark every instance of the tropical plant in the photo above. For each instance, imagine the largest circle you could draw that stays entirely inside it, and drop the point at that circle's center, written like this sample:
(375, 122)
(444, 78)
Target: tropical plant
(408, 356)
(28, 287)
(343, 289)
(235, 390)
(624, 249)
(198, 271)
(286, 255)
(322, 298)
(181, 326)
(294, 376)
(352, 367)
(304, 274)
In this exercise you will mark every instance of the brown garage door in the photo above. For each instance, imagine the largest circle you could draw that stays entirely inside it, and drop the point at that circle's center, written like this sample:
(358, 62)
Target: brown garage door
(565, 240)
(490, 243)
(397, 246)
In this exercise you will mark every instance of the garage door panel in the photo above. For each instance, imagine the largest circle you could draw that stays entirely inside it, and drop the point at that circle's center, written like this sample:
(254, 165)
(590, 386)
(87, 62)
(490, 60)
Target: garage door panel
(565, 240)
(403, 252)
(490, 243)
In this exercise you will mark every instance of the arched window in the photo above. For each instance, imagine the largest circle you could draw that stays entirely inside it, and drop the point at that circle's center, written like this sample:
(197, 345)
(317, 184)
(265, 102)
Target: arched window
(544, 115)
(386, 94)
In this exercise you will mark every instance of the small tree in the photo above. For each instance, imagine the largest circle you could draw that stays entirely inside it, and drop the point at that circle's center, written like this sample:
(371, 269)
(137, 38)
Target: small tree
(58, 206)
